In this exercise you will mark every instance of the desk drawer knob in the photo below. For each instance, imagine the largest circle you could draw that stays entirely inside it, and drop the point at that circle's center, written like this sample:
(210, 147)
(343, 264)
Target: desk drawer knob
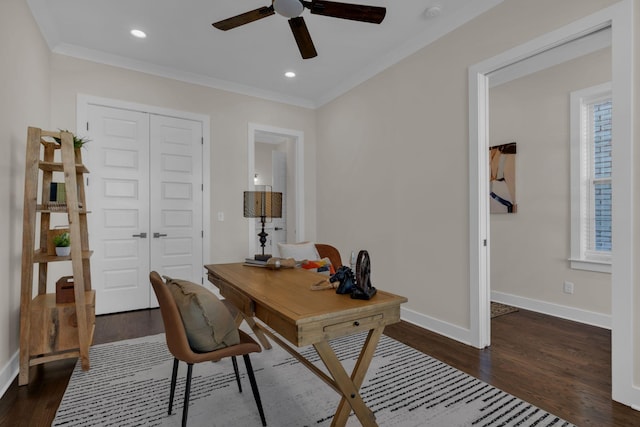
(356, 323)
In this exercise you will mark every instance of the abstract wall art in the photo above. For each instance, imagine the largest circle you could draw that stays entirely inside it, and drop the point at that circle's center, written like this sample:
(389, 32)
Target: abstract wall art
(502, 181)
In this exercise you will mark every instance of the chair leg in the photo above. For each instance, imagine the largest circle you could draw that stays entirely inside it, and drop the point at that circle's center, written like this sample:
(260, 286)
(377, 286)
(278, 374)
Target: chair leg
(235, 369)
(174, 375)
(187, 390)
(254, 387)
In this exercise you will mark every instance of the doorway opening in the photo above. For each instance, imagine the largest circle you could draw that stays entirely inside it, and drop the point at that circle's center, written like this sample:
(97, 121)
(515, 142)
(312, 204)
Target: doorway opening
(275, 159)
(620, 18)
(530, 125)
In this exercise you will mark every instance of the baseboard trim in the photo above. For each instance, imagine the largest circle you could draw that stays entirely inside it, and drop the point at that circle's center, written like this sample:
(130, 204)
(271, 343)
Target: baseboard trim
(449, 330)
(463, 335)
(9, 373)
(557, 310)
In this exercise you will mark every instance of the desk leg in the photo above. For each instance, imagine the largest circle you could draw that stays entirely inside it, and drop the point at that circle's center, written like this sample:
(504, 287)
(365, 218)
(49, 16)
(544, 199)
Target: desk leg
(256, 330)
(259, 334)
(359, 372)
(349, 386)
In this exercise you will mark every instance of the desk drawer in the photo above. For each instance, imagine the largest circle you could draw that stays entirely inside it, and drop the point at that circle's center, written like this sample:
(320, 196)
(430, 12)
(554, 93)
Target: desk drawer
(241, 301)
(354, 325)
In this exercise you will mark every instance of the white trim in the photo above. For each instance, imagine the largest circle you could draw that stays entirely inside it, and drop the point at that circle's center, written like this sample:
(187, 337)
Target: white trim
(432, 32)
(479, 225)
(574, 49)
(171, 73)
(84, 100)
(593, 318)
(82, 109)
(590, 265)
(624, 335)
(579, 147)
(440, 327)
(298, 137)
(9, 372)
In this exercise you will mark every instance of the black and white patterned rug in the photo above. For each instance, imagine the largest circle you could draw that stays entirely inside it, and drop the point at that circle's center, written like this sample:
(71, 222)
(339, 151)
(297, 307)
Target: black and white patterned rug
(128, 385)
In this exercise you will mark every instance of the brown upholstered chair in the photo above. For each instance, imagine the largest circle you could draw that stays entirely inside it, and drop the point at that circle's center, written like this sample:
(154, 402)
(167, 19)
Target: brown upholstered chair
(178, 345)
(328, 251)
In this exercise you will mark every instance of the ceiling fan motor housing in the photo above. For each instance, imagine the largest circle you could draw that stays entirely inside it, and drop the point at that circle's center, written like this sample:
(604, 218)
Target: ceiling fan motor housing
(288, 8)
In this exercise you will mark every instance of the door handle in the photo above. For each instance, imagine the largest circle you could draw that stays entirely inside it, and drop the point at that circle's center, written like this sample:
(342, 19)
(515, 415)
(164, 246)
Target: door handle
(156, 235)
(278, 228)
(141, 235)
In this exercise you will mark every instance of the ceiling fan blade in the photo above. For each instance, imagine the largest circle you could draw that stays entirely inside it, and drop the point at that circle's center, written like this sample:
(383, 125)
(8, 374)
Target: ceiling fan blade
(244, 18)
(355, 12)
(303, 38)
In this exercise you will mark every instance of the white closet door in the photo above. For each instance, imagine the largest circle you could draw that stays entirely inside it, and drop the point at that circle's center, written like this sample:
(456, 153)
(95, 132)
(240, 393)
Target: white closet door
(145, 195)
(176, 198)
(118, 197)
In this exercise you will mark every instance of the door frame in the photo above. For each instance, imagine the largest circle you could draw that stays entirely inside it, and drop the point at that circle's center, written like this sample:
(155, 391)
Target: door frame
(82, 109)
(298, 144)
(620, 17)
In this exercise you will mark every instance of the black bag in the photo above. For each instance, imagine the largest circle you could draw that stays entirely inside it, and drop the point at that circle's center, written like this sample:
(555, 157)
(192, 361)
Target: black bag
(345, 276)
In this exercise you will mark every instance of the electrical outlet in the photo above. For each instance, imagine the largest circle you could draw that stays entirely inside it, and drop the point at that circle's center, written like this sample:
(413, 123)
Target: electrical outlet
(568, 288)
(220, 216)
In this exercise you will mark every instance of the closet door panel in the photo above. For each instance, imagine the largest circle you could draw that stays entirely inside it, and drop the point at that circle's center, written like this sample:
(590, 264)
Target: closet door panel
(176, 197)
(118, 194)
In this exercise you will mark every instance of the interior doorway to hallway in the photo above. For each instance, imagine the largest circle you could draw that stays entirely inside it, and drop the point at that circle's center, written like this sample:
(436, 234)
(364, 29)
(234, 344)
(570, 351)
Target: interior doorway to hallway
(275, 159)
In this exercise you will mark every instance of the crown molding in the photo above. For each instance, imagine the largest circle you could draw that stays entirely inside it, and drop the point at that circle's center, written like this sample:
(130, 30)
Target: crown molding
(170, 73)
(436, 30)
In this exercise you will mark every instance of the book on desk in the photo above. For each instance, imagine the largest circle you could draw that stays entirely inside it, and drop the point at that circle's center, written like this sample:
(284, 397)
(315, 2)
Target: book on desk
(254, 262)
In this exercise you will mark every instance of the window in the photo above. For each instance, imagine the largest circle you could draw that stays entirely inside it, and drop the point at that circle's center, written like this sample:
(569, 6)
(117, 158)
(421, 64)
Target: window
(591, 167)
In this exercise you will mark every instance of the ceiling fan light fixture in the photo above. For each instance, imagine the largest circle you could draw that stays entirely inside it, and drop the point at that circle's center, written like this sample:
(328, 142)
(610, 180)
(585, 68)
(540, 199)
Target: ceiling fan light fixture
(288, 8)
(138, 33)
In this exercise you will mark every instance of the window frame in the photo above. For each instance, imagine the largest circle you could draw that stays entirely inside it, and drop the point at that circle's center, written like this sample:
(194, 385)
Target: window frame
(582, 214)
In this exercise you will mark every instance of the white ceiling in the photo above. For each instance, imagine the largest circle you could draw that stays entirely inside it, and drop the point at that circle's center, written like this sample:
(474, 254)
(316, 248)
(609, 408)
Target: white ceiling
(182, 44)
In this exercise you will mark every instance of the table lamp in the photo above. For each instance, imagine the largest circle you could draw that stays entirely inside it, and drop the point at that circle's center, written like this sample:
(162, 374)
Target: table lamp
(263, 205)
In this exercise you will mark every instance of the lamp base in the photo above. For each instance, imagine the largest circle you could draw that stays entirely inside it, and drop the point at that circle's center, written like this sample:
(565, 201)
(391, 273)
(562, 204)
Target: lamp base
(264, 257)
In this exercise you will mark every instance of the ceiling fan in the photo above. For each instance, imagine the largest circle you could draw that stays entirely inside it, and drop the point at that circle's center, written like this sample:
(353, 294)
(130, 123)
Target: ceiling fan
(292, 9)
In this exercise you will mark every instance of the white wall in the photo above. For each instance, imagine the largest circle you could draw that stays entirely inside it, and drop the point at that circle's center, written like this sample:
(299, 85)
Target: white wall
(24, 101)
(530, 249)
(393, 161)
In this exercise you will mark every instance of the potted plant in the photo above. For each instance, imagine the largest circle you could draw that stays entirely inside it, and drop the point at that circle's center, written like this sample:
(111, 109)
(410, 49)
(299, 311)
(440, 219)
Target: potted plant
(63, 244)
(78, 142)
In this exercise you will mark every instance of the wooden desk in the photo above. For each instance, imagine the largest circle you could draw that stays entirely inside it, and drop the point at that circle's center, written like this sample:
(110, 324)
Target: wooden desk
(283, 300)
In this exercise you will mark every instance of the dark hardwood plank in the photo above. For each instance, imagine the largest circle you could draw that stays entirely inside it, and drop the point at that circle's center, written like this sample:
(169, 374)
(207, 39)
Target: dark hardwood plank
(35, 404)
(561, 366)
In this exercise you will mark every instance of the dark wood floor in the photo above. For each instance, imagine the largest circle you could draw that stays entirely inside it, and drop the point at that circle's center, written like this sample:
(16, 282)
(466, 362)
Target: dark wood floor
(561, 366)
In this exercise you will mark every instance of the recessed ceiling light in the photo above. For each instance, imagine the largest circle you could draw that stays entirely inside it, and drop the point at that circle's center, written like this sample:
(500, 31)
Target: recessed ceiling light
(139, 34)
(290, 74)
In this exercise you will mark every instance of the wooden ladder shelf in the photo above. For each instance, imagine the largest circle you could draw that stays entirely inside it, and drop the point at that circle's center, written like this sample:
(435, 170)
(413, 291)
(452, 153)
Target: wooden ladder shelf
(49, 330)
